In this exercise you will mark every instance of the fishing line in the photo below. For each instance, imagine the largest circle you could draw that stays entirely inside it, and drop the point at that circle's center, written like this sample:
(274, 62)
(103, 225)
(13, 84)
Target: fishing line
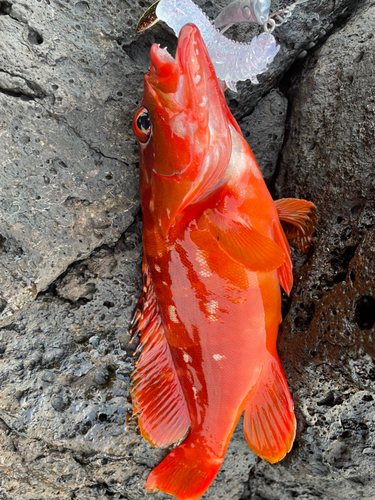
(282, 17)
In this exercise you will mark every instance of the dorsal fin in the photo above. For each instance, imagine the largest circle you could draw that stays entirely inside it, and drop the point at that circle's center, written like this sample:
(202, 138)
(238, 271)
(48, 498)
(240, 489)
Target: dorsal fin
(269, 421)
(300, 216)
(156, 391)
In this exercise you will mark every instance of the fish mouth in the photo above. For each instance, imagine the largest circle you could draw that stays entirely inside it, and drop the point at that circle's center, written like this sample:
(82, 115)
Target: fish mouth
(164, 72)
(191, 58)
(160, 57)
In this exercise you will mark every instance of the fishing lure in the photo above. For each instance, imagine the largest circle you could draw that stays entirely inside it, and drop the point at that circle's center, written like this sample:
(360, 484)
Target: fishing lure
(258, 11)
(233, 61)
(215, 255)
(244, 11)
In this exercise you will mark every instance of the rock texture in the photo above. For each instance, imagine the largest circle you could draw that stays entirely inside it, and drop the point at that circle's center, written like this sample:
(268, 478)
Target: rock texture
(68, 177)
(70, 252)
(327, 341)
(264, 131)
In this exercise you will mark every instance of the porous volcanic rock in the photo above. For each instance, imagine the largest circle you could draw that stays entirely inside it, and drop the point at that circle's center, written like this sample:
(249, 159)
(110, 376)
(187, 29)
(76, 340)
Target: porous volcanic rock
(327, 340)
(309, 27)
(71, 77)
(264, 131)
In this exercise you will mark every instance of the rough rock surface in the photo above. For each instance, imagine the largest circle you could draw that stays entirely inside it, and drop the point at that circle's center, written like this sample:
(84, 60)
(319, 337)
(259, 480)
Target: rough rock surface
(264, 131)
(68, 177)
(70, 253)
(327, 341)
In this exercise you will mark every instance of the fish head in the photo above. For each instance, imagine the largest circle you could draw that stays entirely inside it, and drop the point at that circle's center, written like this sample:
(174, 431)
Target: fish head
(182, 129)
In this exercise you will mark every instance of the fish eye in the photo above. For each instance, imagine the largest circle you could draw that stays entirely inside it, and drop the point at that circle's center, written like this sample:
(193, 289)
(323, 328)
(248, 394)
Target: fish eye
(142, 124)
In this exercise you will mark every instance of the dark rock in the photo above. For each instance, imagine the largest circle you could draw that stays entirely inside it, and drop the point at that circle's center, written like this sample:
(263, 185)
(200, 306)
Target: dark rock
(58, 403)
(18, 394)
(101, 377)
(264, 131)
(70, 79)
(327, 400)
(329, 349)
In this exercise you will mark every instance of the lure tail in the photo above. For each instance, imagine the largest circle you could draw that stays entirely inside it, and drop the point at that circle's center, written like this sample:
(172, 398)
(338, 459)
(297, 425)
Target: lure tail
(187, 472)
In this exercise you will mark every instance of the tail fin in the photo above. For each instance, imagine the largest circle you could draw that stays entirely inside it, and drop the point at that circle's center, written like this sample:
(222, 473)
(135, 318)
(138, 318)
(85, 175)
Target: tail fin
(186, 473)
(269, 421)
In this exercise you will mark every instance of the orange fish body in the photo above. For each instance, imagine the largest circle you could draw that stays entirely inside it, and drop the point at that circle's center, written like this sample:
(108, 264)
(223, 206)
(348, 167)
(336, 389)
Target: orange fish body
(215, 255)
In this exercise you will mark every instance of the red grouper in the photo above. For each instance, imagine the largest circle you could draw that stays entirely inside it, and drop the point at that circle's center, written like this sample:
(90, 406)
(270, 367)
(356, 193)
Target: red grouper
(215, 256)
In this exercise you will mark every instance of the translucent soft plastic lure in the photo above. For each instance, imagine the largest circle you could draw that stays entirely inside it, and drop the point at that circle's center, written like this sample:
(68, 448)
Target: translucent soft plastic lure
(244, 11)
(233, 61)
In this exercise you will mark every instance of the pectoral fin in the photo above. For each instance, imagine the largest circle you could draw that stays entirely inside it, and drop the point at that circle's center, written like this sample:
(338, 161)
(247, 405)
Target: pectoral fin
(300, 216)
(242, 243)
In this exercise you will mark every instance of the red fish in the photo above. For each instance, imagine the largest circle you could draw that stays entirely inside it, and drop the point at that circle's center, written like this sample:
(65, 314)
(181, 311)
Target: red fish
(215, 255)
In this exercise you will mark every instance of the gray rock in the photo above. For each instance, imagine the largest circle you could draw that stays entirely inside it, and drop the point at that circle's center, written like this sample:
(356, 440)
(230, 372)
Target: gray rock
(327, 338)
(58, 403)
(68, 423)
(69, 179)
(101, 377)
(70, 79)
(264, 131)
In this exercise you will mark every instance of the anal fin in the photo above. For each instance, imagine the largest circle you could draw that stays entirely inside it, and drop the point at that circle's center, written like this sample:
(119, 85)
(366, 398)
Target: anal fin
(156, 391)
(300, 219)
(242, 243)
(269, 421)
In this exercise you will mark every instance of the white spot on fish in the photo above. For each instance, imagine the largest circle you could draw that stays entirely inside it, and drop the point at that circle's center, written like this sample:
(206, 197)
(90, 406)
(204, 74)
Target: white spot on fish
(182, 126)
(197, 52)
(157, 268)
(212, 308)
(164, 283)
(205, 270)
(152, 206)
(218, 357)
(195, 392)
(173, 314)
(168, 213)
(187, 358)
(197, 79)
(203, 101)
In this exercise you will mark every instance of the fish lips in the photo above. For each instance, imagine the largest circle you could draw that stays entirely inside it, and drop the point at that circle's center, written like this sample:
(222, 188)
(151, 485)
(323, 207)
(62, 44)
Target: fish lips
(192, 62)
